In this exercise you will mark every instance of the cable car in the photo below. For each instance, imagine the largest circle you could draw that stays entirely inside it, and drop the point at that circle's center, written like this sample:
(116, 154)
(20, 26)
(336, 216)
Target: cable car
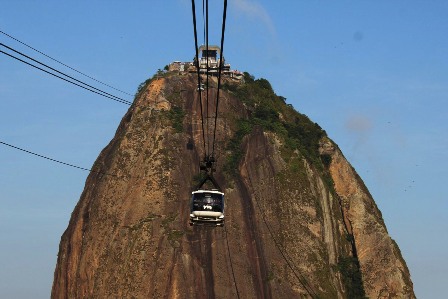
(207, 207)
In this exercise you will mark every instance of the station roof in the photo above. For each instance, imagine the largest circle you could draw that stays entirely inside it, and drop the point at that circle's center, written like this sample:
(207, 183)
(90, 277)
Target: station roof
(210, 47)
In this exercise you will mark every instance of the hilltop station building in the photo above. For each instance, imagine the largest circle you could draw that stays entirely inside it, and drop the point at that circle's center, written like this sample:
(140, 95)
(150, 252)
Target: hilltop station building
(209, 58)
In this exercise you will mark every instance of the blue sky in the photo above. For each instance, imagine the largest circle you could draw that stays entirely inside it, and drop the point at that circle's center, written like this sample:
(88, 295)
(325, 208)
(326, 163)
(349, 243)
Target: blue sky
(373, 74)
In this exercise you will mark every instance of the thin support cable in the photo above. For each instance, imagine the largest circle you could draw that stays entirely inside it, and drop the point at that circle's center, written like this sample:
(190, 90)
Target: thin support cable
(62, 78)
(55, 70)
(193, 8)
(207, 75)
(203, 17)
(231, 264)
(297, 274)
(105, 84)
(57, 161)
(224, 16)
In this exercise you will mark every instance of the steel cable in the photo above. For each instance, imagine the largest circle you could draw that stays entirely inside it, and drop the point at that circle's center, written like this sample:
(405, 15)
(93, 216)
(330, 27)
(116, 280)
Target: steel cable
(231, 264)
(299, 276)
(62, 78)
(105, 84)
(55, 70)
(207, 76)
(193, 8)
(57, 161)
(224, 16)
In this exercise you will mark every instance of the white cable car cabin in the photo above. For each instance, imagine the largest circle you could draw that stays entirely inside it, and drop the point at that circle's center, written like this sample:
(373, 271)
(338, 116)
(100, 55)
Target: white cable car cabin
(207, 207)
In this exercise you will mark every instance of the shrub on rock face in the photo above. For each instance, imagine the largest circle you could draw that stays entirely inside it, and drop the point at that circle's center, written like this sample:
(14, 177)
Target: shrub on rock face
(351, 277)
(263, 83)
(135, 229)
(176, 115)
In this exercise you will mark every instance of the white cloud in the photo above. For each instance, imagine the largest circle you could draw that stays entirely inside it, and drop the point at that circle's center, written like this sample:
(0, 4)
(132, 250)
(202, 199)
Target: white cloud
(360, 127)
(256, 11)
(359, 124)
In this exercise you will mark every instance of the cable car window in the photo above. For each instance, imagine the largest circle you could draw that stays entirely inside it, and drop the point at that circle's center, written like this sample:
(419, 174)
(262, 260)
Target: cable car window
(208, 202)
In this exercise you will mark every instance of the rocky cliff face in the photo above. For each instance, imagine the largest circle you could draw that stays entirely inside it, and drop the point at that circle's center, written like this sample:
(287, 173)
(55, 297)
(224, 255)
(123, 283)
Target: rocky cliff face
(299, 221)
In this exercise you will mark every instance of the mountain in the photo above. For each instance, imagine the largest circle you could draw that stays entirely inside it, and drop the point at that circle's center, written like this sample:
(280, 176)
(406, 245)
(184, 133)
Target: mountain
(300, 223)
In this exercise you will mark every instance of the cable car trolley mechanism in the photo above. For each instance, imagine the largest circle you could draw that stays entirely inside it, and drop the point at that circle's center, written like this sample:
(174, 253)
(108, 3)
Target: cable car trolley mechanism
(207, 206)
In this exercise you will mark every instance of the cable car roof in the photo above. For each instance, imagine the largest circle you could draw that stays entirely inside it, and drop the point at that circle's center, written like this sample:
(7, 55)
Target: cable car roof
(207, 191)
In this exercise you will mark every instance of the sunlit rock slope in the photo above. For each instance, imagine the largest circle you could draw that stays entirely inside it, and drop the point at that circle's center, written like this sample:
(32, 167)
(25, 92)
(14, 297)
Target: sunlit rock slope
(299, 221)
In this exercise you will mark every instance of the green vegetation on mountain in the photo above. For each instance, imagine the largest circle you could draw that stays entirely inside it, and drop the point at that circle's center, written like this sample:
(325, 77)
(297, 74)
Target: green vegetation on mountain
(270, 112)
(351, 277)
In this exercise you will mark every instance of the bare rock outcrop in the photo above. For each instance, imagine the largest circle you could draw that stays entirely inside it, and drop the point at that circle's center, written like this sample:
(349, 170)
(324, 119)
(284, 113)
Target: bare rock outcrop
(299, 221)
(385, 274)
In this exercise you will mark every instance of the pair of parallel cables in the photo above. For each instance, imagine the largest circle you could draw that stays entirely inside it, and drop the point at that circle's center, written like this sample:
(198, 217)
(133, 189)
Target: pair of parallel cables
(58, 74)
(208, 156)
(298, 275)
(63, 76)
